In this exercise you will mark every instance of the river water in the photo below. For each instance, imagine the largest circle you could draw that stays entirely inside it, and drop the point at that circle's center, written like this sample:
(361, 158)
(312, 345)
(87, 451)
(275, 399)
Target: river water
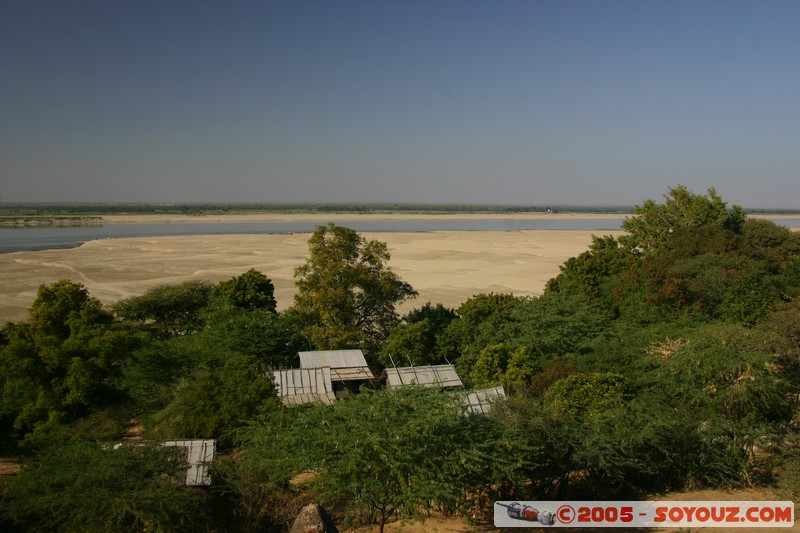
(20, 239)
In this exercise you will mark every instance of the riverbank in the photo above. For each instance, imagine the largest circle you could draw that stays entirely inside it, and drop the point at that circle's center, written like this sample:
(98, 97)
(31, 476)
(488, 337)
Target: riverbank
(445, 267)
(323, 218)
(335, 217)
(50, 221)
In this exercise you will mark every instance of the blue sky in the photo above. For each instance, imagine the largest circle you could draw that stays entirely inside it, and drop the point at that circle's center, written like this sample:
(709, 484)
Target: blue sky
(510, 102)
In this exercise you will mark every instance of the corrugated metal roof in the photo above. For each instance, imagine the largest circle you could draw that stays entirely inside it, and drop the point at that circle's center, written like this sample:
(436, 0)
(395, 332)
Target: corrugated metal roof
(297, 386)
(303, 381)
(198, 454)
(346, 365)
(351, 374)
(480, 401)
(425, 376)
(326, 398)
(333, 359)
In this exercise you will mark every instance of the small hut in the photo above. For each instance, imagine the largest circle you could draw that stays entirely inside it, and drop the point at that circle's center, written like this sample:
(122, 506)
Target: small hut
(443, 376)
(481, 400)
(199, 453)
(348, 368)
(298, 386)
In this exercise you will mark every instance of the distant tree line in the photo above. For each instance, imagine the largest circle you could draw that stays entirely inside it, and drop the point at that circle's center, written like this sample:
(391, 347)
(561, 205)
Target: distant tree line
(15, 210)
(58, 209)
(664, 359)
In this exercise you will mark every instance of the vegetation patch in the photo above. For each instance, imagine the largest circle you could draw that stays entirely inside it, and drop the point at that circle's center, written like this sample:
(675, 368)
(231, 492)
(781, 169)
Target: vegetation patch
(667, 359)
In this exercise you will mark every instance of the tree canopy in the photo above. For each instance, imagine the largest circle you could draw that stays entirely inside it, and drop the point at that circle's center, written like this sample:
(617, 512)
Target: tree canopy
(346, 292)
(251, 290)
(654, 223)
(64, 362)
(84, 486)
(168, 310)
(387, 452)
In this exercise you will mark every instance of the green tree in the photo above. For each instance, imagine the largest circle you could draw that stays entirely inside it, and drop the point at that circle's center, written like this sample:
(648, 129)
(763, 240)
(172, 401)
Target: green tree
(409, 344)
(346, 293)
(497, 364)
(712, 272)
(65, 362)
(167, 310)
(437, 315)
(725, 382)
(390, 452)
(275, 338)
(83, 486)
(654, 223)
(251, 290)
(416, 338)
(587, 395)
(595, 272)
(482, 320)
(212, 403)
(557, 324)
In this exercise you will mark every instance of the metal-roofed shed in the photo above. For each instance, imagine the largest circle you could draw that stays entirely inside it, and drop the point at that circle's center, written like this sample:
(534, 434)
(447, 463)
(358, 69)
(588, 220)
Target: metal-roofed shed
(199, 453)
(297, 386)
(481, 400)
(345, 365)
(424, 376)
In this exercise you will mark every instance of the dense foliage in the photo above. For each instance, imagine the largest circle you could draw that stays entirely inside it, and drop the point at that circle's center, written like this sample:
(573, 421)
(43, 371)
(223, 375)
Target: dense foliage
(346, 295)
(387, 452)
(665, 359)
(82, 486)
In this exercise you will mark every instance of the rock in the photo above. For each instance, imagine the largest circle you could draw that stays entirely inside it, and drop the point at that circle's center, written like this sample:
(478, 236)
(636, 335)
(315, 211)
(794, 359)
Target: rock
(313, 519)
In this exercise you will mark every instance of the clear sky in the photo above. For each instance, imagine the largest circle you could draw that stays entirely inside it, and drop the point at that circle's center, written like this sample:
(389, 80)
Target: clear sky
(440, 101)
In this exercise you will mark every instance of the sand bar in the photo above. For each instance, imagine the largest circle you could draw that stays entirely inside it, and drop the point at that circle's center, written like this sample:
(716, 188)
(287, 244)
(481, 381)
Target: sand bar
(444, 267)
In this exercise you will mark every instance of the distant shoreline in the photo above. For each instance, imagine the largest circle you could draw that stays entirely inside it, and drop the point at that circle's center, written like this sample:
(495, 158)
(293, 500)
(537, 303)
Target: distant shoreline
(61, 220)
(50, 221)
(335, 217)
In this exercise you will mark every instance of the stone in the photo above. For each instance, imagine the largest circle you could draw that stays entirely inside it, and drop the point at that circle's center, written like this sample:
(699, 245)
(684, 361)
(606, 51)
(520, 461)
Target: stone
(313, 519)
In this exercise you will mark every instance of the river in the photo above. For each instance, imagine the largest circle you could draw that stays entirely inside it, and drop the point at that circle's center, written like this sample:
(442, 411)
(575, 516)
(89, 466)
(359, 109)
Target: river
(37, 238)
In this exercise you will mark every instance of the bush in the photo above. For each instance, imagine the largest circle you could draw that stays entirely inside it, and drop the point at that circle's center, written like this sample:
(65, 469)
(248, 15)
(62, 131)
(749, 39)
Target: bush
(83, 486)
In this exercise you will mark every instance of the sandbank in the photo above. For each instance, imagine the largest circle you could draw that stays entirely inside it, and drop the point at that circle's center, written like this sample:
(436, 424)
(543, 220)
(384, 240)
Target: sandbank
(445, 267)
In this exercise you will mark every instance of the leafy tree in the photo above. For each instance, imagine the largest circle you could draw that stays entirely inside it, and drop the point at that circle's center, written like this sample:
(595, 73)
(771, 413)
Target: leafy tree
(212, 403)
(557, 324)
(64, 362)
(167, 310)
(409, 344)
(390, 452)
(83, 486)
(346, 293)
(416, 338)
(437, 315)
(654, 223)
(529, 330)
(781, 329)
(767, 239)
(251, 290)
(713, 272)
(500, 364)
(484, 319)
(587, 395)
(721, 379)
(275, 338)
(636, 447)
(595, 272)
